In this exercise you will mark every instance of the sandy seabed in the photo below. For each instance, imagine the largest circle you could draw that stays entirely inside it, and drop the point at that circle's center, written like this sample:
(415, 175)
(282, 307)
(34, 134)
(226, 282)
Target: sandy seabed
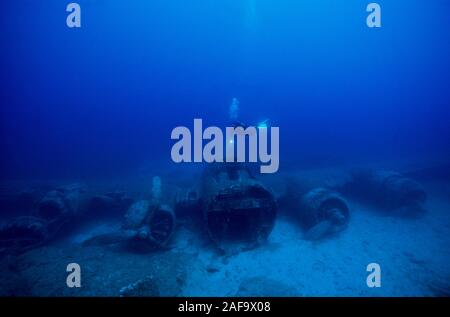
(414, 255)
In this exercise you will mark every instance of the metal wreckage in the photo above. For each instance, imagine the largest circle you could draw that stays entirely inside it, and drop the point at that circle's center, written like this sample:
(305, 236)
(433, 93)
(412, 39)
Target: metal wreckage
(54, 212)
(235, 209)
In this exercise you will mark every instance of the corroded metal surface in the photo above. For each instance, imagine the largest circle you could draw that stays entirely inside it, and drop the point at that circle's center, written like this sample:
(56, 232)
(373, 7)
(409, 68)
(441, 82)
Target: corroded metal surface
(236, 207)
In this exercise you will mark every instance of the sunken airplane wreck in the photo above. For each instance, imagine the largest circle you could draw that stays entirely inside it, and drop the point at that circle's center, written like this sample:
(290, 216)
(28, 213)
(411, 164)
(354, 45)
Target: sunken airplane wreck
(234, 207)
(55, 211)
(236, 210)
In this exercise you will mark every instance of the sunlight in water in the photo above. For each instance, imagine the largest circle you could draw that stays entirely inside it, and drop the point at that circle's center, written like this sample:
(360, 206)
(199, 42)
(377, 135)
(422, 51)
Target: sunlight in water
(251, 19)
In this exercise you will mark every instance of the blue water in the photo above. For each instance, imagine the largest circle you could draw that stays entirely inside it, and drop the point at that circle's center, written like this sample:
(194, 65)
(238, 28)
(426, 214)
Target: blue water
(99, 102)
(102, 99)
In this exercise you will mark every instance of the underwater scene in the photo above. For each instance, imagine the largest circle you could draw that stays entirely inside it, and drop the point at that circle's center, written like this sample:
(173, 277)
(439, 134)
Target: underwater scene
(226, 148)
